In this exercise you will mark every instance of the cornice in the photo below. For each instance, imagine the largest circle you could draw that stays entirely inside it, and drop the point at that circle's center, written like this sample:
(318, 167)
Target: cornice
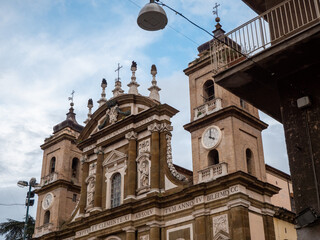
(197, 64)
(56, 184)
(57, 139)
(278, 172)
(162, 201)
(231, 111)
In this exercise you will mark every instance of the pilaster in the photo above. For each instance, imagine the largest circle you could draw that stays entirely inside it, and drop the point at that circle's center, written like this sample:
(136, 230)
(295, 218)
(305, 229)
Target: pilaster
(155, 154)
(83, 198)
(98, 187)
(130, 233)
(164, 130)
(200, 227)
(131, 176)
(239, 222)
(154, 231)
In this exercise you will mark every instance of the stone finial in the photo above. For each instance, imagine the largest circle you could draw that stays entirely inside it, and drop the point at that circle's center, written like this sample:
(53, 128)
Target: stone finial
(103, 98)
(154, 89)
(117, 88)
(133, 85)
(90, 106)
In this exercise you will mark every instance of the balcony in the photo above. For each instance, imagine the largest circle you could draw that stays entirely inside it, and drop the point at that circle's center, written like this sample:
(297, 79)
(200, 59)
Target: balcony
(207, 108)
(260, 33)
(212, 172)
(278, 48)
(42, 230)
(49, 178)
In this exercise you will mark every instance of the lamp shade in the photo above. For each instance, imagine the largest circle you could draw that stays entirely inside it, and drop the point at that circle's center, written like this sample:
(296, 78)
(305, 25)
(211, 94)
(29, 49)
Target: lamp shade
(152, 17)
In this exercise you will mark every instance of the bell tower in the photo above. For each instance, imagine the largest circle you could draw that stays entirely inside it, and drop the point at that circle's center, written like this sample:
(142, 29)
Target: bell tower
(225, 130)
(60, 176)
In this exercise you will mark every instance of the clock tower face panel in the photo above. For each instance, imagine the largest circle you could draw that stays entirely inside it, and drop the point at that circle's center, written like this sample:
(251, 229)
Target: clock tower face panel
(47, 201)
(211, 137)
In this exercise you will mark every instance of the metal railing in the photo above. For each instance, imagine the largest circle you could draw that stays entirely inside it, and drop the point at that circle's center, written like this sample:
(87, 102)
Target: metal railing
(212, 172)
(269, 28)
(207, 108)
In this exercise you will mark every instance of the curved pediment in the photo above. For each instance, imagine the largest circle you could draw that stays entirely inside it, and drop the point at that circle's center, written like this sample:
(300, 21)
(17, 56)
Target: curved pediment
(114, 111)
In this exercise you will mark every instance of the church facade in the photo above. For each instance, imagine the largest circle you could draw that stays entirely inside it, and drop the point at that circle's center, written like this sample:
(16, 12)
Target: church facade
(114, 178)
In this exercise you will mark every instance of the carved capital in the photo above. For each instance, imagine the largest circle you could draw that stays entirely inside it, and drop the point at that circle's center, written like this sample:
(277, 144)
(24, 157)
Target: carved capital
(154, 127)
(98, 150)
(165, 127)
(131, 135)
(129, 229)
(84, 159)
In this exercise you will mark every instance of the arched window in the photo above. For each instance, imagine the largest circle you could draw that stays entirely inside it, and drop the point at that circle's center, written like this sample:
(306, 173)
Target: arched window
(46, 217)
(249, 161)
(53, 165)
(75, 168)
(213, 157)
(115, 190)
(208, 90)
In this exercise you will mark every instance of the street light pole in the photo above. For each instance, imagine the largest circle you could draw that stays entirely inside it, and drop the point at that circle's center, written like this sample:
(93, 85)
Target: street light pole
(32, 184)
(27, 214)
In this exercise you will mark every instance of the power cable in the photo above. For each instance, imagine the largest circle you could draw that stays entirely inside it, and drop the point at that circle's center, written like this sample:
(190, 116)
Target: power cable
(12, 204)
(219, 40)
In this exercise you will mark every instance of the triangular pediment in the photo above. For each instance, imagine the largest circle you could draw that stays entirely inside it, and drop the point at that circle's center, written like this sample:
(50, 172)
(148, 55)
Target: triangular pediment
(221, 235)
(114, 157)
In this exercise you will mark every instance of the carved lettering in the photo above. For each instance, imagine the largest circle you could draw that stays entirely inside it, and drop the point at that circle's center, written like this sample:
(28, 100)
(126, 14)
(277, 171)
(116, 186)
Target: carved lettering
(144, 214)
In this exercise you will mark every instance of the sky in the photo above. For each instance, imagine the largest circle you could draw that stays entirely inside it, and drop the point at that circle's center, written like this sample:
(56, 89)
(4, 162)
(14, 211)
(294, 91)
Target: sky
(50, 48)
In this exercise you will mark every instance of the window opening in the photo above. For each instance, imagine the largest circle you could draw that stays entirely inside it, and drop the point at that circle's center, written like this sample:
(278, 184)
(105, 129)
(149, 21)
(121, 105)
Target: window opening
(115, 190)
(46, 217)
(74, 167)
(249, 161)
(213, 157)
(53, 165)
(208, 90)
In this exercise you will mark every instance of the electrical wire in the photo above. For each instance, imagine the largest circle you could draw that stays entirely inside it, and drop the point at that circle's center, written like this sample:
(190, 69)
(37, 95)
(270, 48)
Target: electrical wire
(12, 204)
(219, 40)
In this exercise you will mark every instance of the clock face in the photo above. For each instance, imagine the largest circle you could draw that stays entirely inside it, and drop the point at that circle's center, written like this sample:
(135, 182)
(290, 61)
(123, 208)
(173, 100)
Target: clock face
(47, 201)
(211, 137)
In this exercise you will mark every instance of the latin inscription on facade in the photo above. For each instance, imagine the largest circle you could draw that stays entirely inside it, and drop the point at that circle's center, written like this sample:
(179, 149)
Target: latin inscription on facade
(103, 225)
(172, 209)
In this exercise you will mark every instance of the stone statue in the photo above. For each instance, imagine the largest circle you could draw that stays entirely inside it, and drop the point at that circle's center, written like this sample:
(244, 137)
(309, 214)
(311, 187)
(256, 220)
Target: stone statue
(144, 173)
(90, 192)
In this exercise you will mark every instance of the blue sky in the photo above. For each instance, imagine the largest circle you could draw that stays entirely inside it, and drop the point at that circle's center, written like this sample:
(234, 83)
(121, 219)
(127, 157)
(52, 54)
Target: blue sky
(49, 48)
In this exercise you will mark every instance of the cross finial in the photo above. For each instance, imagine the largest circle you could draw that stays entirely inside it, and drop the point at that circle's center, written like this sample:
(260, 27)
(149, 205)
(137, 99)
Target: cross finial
(118, 70)
(215, 10)
(71, 98)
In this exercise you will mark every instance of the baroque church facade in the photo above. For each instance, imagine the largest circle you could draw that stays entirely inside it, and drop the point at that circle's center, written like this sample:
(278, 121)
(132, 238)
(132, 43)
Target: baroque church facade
(114, 178)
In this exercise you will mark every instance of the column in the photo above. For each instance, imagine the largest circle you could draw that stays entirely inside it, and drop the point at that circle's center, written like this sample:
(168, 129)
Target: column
(302, 131)
(131, 176)
(130, 233)
(155, 161)
(98, 187)
(83, 198)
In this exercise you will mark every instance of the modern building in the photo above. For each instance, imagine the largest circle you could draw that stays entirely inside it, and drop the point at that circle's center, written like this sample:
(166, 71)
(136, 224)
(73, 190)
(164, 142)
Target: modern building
(272, 62)
(115, 179)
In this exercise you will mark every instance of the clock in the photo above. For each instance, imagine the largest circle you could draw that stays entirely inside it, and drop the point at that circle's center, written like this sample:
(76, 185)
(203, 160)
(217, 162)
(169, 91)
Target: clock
(211, 137)
(47, 201)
